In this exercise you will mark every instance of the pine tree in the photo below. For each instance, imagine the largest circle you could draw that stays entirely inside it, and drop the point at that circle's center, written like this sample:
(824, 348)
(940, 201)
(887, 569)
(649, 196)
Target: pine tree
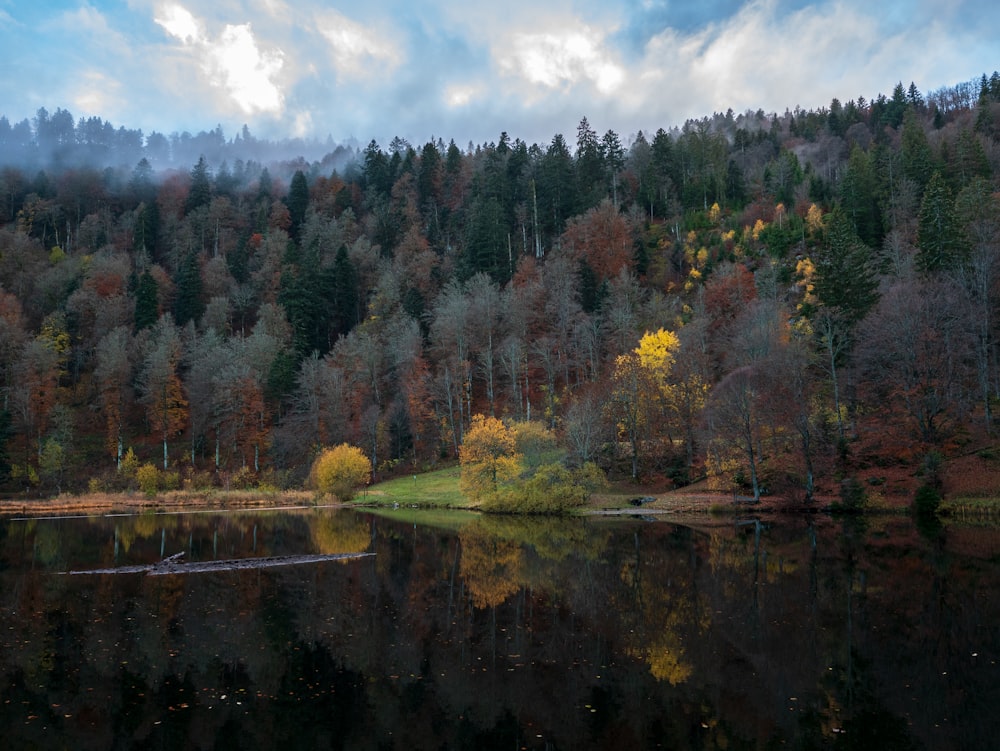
(188, 304)
(845, 277)
(146, 302)
(940, 240)
(298, 202)
(200, 193)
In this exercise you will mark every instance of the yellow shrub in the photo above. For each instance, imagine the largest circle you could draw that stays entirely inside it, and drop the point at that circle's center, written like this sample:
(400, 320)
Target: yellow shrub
(340, 471)
(148, 477)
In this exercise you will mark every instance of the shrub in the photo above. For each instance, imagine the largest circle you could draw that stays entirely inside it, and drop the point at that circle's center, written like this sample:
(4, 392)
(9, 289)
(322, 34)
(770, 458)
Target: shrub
(552, 489)
(244, 479)
(340, 471)
(171, 480)
(148, 477)
(129, 464)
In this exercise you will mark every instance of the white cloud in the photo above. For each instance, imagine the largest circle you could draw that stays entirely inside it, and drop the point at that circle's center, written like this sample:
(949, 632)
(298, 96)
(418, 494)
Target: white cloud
(236, 64)
(558, 59)
(358, 51)
(764, 57)
(233, 61)
(178, 22)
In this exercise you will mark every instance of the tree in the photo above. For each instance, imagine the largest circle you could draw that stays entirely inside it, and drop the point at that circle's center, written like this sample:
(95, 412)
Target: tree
(341, 471)
(734, 425)
(188, 305)
(914, 356)
(602, 238)
(200, 192)
(940, 239)
(146, 302)
(845, 278)
(160, 384)
(298, 202)
(858, 196)
(488, 456)
(113, 374)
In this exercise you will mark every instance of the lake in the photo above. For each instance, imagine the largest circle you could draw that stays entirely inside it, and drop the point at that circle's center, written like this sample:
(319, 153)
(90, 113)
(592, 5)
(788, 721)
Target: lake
(468, 632)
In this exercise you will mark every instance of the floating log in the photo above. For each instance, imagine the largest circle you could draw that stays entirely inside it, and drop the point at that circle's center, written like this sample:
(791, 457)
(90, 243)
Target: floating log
(174, 564)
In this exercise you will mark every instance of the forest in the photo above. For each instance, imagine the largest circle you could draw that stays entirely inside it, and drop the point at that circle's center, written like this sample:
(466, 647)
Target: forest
(777, 303)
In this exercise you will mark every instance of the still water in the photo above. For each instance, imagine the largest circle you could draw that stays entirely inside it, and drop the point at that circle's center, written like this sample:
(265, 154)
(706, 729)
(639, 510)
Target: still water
(463, 632)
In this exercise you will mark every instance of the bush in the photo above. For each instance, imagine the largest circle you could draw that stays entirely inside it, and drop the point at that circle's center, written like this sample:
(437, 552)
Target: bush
(340, 471)
(244, 479)
(129, 464)
(552, 489)
(148, 477)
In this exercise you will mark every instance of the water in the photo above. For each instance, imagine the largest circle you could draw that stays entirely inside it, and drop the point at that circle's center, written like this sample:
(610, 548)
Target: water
(480, 633)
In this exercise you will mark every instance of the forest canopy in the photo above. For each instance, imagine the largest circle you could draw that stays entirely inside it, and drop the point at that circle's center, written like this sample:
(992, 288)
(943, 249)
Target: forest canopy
(769, 301)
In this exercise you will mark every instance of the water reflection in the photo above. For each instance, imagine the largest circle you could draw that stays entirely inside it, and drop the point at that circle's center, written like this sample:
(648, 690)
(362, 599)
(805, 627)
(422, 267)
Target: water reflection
(500, 633)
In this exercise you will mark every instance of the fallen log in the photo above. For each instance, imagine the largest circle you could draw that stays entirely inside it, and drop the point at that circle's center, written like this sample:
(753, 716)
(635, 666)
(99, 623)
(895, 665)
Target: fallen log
(174, 565)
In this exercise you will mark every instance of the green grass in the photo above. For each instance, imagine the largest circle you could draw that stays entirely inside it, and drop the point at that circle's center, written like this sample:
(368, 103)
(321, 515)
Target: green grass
(437, 489)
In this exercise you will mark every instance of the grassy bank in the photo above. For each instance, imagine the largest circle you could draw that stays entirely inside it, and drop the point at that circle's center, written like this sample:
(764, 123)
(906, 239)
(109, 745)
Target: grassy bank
(437, 489)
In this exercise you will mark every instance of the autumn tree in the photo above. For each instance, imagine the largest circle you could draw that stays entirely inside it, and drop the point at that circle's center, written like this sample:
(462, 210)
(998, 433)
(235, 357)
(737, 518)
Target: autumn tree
(341, 471)
(488, 457)
(113, 375)
(160, 384)
(914, 355)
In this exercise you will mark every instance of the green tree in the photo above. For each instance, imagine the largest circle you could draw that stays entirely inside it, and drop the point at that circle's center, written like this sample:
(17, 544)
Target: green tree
(845, 277)
(188, 305)
(859, 198)
(941, 242)
(298, 202)
(147, 306)
(918, 158)
(200, 192)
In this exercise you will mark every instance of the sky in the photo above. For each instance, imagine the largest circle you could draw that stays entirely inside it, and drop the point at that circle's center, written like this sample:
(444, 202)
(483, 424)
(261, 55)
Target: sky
(468, 70)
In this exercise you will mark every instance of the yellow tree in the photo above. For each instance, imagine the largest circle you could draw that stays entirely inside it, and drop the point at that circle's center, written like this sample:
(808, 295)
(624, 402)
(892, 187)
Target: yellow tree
(341, 470)
(640, 389)
(488, 456)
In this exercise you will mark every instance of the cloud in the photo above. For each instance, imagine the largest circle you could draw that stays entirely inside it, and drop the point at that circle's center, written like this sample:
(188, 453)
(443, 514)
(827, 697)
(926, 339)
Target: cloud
(178, 22)
(236, 64)
(565, 58)
(232, 62)
(358, 51)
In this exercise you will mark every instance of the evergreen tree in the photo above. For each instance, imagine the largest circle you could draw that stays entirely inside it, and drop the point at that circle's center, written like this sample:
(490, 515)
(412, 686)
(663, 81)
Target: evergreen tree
(200, 192)
(845, 277)
(297, 202)
(188, 304)
(346, 293)
(858, 196)
(940, 241)
(589, 167)
(917, 156)
(146, 302)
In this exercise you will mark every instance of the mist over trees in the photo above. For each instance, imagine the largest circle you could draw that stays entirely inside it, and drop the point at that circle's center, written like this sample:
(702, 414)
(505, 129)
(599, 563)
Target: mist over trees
(767, 300)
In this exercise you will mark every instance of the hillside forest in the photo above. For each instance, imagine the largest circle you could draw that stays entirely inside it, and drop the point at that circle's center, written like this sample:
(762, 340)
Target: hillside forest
(778, 303)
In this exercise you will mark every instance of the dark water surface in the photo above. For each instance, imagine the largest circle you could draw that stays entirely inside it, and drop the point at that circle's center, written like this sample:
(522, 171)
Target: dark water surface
(480, 633)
